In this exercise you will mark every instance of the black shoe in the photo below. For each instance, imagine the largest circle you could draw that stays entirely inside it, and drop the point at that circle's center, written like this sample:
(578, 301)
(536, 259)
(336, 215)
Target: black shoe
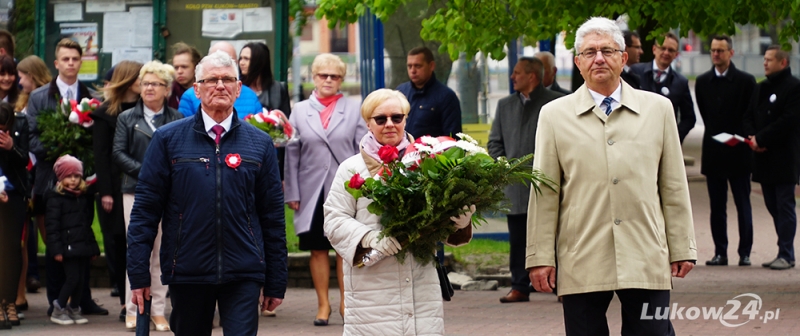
(744, 261)
(114, 291)
(93, 309)
(718, 260)
(122, 314)
(50, 310)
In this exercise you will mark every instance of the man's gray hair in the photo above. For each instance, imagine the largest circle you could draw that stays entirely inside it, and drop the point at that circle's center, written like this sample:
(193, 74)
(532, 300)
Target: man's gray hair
(219, 59)
(601, 26)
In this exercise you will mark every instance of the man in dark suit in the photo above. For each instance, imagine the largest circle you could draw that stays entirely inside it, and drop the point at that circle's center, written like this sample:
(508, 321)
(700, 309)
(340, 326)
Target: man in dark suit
(633, 46)
(771, 124)
(723, 94)
(660, 78)
(513, 136)
(549, 80)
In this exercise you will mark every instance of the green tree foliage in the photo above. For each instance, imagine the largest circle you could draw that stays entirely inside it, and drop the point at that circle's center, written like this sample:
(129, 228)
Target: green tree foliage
(487, 25)
(22, 27)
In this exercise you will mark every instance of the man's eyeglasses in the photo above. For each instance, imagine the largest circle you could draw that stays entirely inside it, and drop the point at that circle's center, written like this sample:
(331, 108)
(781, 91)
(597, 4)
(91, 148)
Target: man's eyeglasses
(331, 76)
(214, 81)
(591, 53)
(396, 119)
(153, 84)
(669, 50)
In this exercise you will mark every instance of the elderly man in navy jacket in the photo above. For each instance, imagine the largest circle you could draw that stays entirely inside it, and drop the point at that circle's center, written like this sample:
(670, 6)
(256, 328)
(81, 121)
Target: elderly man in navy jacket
(213, 183)
(435, 109)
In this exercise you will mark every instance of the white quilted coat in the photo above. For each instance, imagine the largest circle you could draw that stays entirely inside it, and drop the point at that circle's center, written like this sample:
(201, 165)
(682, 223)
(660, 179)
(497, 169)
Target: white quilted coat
(387, 298)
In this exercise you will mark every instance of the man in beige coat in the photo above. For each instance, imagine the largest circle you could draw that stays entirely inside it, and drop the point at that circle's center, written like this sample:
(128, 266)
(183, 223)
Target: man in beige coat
(621, 220)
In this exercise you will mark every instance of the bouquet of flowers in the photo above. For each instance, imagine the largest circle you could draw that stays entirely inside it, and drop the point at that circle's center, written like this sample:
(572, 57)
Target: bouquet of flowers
(416, 195)
(275, 124)
(66, 130)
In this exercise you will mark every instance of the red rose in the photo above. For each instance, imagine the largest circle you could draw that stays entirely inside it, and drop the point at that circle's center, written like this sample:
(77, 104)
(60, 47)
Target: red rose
(388, 153)
(233, 160)
(356, 181)
(384, 170)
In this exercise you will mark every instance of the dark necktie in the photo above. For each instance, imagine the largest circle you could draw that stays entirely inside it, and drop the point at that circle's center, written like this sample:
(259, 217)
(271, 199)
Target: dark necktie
(659, 73)
(607, 101)
(155, 118)
(217, 129)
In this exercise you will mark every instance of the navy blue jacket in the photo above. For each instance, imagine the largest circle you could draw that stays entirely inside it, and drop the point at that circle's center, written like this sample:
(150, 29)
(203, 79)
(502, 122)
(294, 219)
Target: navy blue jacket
(676, 88)
(435, 109)
(219, 223)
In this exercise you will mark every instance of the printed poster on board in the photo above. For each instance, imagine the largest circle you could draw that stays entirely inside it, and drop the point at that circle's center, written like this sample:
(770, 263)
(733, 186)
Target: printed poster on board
(86, 35)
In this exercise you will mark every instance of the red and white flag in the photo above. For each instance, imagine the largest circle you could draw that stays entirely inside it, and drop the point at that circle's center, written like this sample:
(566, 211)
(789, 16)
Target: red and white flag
(731, 139)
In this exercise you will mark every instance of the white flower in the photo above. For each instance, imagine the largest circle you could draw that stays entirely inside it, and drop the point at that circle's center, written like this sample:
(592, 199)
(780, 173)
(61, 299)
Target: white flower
(423, 148)
(429, 140)
(466, 137)
(258, 118)
(443, 146)
(469, 147)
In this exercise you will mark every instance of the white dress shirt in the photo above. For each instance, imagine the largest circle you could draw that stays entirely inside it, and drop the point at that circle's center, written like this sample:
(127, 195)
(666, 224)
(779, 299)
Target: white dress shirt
(663, 74)
(209, 123)
(616, 96)
(63, 87)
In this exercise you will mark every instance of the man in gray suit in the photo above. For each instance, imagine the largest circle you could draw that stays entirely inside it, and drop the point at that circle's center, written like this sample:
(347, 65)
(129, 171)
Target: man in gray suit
(513, 133)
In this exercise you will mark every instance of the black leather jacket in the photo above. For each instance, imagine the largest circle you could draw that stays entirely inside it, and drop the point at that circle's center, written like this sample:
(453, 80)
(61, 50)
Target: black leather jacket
(14, 162)
(131, 139)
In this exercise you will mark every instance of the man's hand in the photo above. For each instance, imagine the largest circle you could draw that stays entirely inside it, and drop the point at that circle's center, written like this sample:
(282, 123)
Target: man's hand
(58, 258)
(294, 205)
(681, 268)
(6, 141)
(137, 297)
(754, 145)
(270, 303)
(3, 197)
(543, 278)
(108, 203)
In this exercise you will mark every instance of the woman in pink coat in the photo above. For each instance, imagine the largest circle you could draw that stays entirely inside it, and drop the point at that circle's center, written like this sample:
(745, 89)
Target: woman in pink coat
(329, 128)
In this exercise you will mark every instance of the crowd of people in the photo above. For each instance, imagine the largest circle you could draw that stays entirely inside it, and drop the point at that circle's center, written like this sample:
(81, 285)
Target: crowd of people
(619, 223)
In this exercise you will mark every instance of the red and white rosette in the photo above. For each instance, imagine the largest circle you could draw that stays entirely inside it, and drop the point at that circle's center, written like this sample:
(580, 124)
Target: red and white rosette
(233, 160)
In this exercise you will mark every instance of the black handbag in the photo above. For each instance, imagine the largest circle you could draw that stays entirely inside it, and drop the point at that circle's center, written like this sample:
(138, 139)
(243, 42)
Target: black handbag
(444, 281)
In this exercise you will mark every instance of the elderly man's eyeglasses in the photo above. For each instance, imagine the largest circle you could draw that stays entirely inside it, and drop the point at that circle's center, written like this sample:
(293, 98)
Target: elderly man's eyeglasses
(331, 76)
(153, 84)
(396, 119)
(591, 53)
(669, 50)
(214, 81)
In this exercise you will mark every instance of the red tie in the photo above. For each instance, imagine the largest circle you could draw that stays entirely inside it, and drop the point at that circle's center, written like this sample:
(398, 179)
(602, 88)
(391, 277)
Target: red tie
(218, 130)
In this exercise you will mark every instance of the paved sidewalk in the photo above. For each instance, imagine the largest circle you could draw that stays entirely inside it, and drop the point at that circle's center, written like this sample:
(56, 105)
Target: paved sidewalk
(480, 313)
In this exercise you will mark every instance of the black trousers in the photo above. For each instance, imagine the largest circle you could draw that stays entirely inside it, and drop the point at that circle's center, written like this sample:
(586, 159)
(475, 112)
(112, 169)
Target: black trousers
(56, 277)
(585, 313)
(12, 219)
(76, 276)
(115, 245)
(718, 197)
(518, 239)
(193, 308)
(780, 202)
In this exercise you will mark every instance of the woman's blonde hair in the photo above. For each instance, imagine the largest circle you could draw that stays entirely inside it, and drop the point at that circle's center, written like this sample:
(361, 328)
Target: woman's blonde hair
(125, 75)
(164, 72)
(82, 187)
(328, 60)
(34, 67)
(378, 97)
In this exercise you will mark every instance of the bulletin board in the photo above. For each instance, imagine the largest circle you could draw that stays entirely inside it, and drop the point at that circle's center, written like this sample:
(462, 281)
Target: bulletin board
(201, 22)
(109, 31)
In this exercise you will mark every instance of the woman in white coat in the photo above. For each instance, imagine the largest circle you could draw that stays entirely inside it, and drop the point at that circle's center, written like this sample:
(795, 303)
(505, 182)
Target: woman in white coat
(387, 298)
(329, 128)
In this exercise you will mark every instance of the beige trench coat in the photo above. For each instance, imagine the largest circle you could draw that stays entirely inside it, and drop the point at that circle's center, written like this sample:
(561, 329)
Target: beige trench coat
(622, 213)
